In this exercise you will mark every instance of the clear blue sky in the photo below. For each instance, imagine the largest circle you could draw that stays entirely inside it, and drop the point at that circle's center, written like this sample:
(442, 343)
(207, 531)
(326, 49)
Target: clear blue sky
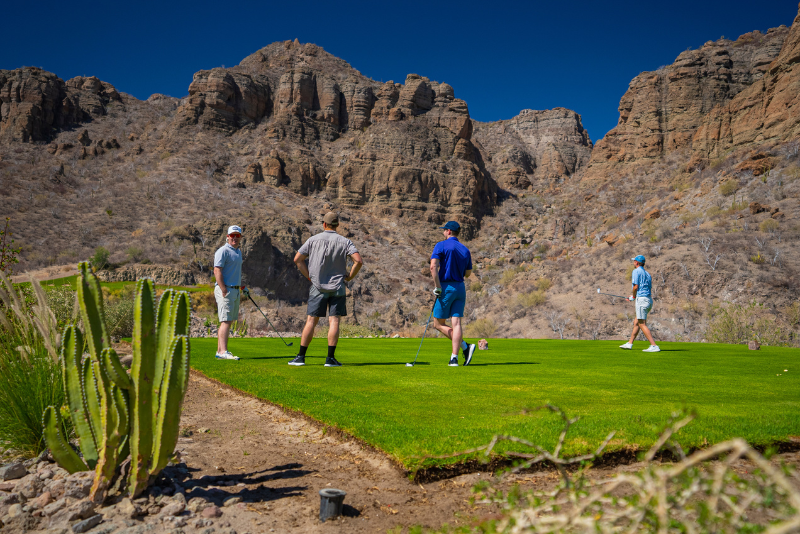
(501, 57)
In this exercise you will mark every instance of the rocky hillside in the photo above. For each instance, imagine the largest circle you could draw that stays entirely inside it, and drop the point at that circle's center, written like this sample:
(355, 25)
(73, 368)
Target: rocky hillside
(702, 175)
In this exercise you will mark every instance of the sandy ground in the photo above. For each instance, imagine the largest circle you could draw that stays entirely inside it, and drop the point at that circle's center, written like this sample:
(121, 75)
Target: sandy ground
(278, 462)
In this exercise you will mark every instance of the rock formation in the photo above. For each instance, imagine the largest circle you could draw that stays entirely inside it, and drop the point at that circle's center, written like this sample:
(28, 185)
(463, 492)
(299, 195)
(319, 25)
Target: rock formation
(767, 111)
(34, 103)
(548, 145)
(662, 110)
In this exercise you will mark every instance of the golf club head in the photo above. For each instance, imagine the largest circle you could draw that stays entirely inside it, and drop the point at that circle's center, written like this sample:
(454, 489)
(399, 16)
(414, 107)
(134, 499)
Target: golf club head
(598, 290)
(290, 344)
(409, 365)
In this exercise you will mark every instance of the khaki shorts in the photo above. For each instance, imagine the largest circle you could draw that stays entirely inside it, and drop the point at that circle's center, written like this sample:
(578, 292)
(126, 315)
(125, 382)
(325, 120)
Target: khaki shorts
(228, 306)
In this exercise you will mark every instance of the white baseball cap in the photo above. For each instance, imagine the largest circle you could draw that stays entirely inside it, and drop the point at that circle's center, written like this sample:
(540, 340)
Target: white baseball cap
(234, 230)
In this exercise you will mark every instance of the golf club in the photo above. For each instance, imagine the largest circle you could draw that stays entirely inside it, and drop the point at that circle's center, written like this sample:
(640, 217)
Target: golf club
(270, 323)
(610, 295)
(423, 335)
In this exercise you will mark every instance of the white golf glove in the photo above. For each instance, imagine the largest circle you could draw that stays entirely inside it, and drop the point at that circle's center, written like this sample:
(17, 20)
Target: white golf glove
(631, 298)
(437, 291)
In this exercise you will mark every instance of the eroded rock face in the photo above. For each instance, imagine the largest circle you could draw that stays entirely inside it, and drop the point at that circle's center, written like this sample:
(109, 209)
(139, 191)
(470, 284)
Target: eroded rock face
(549, 145)
(767, 111)
(35, 103)
(226, 100)
(662, 110)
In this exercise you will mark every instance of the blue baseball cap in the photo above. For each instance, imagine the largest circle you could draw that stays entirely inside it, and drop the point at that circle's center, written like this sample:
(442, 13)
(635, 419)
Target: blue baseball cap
(451, 225)
(638, 258)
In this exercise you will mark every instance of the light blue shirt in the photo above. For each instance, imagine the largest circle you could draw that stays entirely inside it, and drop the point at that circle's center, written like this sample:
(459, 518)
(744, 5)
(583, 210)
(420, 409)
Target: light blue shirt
(229, 259)
(642, 279)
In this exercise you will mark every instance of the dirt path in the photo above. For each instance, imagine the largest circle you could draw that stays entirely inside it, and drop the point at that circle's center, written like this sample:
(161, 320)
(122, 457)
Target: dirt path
(277, 463)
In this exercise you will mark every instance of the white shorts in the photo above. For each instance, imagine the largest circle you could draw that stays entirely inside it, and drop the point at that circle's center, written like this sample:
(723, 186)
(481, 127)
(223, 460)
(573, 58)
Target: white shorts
(643, 307)
(227, 306)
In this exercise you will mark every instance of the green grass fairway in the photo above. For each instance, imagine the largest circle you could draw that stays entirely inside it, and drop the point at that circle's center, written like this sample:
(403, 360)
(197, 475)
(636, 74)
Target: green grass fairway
(436, 409)
(72, 281)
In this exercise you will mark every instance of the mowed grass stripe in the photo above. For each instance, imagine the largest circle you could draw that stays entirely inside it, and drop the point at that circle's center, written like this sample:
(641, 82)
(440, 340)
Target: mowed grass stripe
(433, 409)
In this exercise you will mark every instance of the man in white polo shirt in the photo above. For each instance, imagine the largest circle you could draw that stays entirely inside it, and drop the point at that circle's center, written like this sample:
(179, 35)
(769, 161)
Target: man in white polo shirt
(228, 274)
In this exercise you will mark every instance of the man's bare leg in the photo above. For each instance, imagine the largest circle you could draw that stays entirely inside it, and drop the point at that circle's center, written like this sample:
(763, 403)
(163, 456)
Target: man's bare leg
(222, 336)
(439, 324)
(333, 331)
(646, 330)
(308, 331)
(457, 334)
(635, 331)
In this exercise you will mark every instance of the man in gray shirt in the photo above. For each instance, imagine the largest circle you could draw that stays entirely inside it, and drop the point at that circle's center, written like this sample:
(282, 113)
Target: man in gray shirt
(228, 274)
(327, 254)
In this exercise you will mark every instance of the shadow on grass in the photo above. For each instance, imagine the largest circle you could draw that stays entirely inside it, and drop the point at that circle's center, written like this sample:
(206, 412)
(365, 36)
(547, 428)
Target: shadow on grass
(502, 363)
(362, 364)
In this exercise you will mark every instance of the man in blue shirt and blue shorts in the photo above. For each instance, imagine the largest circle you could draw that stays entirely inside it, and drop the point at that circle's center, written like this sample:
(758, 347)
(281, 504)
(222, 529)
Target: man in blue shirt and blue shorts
(641, 281)
(451, 263)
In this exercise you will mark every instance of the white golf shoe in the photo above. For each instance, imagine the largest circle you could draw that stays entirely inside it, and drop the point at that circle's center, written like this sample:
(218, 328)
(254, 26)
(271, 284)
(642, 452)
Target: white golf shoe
(628, 345)
(226, 356)
(652, 348)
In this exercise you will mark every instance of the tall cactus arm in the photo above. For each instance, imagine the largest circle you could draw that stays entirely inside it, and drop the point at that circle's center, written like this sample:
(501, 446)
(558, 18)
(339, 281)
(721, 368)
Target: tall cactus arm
(114, 369)
(169, 414)
(62, 452)
(183, 314)
(90, 300)
(71, 353)
(142, 373)
(123, 403)
(165, 337)
(110, 440)
(91, 402)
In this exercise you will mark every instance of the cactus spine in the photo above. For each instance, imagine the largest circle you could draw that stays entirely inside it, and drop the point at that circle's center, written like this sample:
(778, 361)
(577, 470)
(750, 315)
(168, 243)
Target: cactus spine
(115, 414)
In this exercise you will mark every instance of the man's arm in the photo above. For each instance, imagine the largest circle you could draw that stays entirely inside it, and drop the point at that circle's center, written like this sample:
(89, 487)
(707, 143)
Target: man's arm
(435, 272)
(467, 273)
(220, 283)
(633, 291)
(300, 261)
(357, 264)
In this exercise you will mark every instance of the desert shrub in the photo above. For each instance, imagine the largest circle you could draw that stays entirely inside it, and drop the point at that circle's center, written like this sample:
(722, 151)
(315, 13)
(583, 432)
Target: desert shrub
(30, 374)
(476, 287)
(532, 299)
(61, 300)
(135, 254)
(119, 311)
(483, 327)
(508, 276)
(100, 258)
(738, 323)
(728, 187)
(543, 284)
(768, 225)
(758, 259)
(714, 211)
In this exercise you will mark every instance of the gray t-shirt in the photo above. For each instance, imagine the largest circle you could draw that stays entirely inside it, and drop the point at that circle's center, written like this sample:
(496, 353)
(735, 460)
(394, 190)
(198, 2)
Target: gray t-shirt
(229, 259)
(327, 259)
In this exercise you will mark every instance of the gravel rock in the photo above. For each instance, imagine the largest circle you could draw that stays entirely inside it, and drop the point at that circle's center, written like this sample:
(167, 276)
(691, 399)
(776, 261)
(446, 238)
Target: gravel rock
(7, 486)
(56, 487)
(29, 486)
(42, 500)
(45, 474)
(173, 509)
(126, 508)
(14, 510)
(54, 507)
(231, 501)
(201, 523)
(211, 511)
(87, 524)
(12, 471)
(11, 498)
(153, 509)
(197, 504)
(78, 485)
(80, 510)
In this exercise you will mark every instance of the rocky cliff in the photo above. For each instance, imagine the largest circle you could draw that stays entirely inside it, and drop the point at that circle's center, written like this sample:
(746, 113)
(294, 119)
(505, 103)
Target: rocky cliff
(768, 111)
(662, 110)
(35, 103)
(534, 146)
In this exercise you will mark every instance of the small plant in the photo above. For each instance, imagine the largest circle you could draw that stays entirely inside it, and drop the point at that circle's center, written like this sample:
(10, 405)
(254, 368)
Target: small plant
(543, 284)
(135, 254)
(99, 260)
(508, 276)
(768, 226)
(483, 327)
(532, 299)
(475, 287)
(758, 259)
(8, 254)
(728, 187)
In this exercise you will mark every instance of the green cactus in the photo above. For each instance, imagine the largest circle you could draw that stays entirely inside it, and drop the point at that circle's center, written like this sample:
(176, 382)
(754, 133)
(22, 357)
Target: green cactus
(115, 414)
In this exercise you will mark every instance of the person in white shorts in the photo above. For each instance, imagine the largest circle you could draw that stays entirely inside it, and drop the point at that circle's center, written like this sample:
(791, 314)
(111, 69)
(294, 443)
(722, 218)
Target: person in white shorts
(228, 289)
(641, 295)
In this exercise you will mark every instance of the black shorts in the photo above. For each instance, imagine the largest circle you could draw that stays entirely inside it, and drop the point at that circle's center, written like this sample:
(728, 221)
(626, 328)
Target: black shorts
(326, 304)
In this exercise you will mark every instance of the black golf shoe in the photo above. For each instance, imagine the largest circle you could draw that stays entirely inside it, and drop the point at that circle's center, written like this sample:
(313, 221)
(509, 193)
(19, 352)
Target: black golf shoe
(332, 362)
(298, 360)
(453, 361)
(468, 353)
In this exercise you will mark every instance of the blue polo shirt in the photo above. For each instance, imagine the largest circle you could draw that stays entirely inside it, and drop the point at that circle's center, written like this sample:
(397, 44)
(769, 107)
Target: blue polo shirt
(641, 278)
(454, 260)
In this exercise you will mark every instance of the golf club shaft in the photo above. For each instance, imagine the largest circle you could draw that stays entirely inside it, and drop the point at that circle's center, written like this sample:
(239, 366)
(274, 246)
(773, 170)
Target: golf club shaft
(610, 295)
(268, 321)
(425, 332)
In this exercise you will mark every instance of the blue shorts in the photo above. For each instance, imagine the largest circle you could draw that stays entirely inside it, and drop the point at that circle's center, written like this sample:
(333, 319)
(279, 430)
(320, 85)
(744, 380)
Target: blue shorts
(452, 301)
